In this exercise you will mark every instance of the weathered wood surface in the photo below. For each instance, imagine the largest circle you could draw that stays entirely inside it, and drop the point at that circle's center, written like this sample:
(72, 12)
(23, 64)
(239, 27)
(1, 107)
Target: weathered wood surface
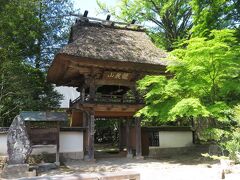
(128, 145)
(138, 138)
(91, 131)
(43, 136)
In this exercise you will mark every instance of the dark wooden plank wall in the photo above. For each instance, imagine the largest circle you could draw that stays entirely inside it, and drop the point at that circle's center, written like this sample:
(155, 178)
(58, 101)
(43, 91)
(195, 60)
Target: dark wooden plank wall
(43, 136)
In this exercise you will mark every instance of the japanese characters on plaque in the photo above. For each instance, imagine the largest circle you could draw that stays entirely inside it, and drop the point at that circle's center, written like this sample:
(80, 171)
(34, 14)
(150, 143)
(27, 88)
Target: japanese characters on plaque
(117, 75)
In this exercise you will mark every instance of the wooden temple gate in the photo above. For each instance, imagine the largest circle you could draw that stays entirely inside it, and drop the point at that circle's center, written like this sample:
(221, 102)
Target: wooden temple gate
(104, 60)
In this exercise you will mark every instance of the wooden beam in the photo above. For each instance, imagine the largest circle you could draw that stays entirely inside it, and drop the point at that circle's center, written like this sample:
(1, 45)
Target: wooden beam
(113, 114)
(120, 143)
(101, 82)
(91, 124)
(129, 149)
(92, 88)
(138, 138)
(131, 108)
(85, 14)
(83, 94)
(81, 70)
(116, 65)
(58, 145)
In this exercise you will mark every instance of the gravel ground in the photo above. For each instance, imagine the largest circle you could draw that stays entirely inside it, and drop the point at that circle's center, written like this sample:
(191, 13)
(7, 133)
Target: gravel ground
(174, 168)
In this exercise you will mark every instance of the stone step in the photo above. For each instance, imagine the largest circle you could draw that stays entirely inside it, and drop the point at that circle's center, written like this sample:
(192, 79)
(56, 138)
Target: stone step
(17, 171)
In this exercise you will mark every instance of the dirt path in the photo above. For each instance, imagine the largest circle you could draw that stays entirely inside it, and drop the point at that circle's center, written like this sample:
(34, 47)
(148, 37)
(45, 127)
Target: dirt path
(176, 168)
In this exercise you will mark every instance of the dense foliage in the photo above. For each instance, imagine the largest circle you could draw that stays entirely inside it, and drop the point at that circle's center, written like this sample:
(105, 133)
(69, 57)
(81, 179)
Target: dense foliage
(205, 82)
(204, 89)
(30, 33)
(170, 22)
(169, 19)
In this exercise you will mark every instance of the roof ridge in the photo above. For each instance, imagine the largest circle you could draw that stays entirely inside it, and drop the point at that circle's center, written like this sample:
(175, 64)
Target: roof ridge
(83, 20)
(109, 24)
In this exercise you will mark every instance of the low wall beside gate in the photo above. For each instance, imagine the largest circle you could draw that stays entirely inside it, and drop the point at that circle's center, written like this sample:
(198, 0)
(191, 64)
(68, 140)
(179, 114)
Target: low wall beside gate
(71, 144)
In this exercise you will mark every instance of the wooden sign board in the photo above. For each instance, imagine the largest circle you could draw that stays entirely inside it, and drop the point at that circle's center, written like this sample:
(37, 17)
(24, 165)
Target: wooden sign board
(112, 75)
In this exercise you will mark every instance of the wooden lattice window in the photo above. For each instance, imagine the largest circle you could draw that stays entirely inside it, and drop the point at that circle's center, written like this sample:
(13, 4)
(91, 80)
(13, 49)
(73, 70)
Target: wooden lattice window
(154, 138)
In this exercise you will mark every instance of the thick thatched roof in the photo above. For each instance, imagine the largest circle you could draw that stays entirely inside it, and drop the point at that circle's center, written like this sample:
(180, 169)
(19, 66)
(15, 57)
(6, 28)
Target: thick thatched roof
(102, 45)
(96, 41)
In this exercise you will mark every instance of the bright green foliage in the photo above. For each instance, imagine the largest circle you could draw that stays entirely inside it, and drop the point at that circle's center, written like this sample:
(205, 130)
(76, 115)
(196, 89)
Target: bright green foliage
(236, 113)
(207, 15)
(209, 68)
(205, 83)
(162, 96)
(232, 144)
(214, 134)
(188, 107)
(214, 14)
(170, 19)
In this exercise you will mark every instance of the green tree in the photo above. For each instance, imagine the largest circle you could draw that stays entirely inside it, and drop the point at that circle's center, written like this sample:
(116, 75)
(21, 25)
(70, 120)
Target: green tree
(52, 30)
(169, 20)
(36, 29)
(214, 14)
(30, 33)
(205, 85)
(22, 88)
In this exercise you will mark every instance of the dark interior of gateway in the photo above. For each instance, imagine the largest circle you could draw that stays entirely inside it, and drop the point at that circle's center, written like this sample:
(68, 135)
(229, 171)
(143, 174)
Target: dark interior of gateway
(112, 89)
(106, 137)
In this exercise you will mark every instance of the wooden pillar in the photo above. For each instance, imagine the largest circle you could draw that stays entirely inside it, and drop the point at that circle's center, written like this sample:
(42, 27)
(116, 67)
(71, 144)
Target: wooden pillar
(57, 145)
(120, 143)
(129, 149)
(83, 94)
(92, 89)
(91, 125)
(138, 138)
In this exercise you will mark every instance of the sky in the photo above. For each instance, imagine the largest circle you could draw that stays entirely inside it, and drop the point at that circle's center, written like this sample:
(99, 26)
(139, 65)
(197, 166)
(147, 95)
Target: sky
(92, 6)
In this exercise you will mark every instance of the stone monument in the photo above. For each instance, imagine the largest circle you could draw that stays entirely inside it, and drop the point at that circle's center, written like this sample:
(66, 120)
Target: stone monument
(18, 143)
(19, 148)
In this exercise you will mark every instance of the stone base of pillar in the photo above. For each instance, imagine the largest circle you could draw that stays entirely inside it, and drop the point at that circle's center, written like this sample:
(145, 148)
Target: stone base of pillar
(87, 159)
(130, 156)
(57, 163)
(139, 157)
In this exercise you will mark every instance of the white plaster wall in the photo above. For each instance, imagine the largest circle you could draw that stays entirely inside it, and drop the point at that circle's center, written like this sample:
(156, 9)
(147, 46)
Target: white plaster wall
(173, 139)
(68, 93)
(3, 144)
(70, 141)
